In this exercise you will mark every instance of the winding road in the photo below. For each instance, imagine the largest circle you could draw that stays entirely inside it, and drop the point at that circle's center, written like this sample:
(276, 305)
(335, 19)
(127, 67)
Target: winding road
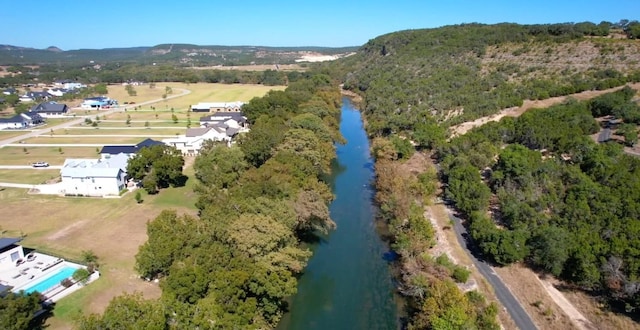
(502, 292)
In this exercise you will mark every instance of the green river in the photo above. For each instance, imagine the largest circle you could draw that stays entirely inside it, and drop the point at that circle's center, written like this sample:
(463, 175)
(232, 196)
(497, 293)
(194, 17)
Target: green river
(347, 283)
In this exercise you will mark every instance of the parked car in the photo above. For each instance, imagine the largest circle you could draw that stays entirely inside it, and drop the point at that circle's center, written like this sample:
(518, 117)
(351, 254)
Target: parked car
(40, 164)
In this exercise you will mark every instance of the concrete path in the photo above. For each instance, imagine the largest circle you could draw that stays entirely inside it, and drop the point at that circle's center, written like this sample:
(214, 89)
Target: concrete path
(46, 189)
(35, 145)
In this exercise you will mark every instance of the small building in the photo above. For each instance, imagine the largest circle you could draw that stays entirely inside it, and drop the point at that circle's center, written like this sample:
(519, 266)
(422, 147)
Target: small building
(231, 119)
(50, 109)
(95, 177)
(11, 254)
(112, 150)
(97, 103)
(9, 91)
(191, 142)
(21, 121)
(217, 106)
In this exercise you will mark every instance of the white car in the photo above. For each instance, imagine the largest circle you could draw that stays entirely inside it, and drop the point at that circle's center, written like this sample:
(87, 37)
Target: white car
(40, 164)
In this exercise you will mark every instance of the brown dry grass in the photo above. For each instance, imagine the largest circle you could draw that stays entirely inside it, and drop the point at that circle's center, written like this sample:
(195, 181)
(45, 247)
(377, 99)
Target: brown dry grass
(534, 298)
(255, 67)
(51, 155)
(61, 140)
(112, 228)
(597, 313)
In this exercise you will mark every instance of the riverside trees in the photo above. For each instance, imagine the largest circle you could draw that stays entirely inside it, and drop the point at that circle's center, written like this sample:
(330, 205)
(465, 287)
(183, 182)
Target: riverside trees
(233, 265)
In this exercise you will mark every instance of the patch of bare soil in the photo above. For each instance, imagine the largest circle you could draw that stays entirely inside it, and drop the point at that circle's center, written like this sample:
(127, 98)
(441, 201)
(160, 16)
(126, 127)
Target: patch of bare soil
(463, 128)
(598, 315)
(527, 288)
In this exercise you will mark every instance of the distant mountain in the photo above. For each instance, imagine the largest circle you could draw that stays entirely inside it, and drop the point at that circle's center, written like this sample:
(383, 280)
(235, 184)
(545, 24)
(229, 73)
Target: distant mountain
(54, 49)
(177, 54)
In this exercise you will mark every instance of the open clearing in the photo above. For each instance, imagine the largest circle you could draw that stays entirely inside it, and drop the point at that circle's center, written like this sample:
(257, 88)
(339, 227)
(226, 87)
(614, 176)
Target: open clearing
(60, 141)
(256, 67)
(51, 155)
(112, 228)
(119, 131)
(200, 92)
(32, 176)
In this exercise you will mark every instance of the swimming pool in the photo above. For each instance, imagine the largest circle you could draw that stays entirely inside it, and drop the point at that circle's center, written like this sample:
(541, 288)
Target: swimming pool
(51, 281)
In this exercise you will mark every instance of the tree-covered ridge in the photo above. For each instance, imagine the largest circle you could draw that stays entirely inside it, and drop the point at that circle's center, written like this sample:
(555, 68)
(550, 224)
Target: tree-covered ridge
(455, 73)
(537, 189)
(232, 266)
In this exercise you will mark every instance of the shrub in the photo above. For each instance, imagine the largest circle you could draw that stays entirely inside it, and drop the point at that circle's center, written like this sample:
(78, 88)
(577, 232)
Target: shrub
(81, 275)
(66, 282)
(461, 274)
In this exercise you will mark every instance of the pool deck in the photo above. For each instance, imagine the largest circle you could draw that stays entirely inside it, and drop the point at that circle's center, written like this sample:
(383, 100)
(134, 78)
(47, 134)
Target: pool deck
(32, 271)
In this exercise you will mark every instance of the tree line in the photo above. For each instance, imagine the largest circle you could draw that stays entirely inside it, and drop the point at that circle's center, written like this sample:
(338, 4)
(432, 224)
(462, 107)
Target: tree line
(537, 189)
(234, 265)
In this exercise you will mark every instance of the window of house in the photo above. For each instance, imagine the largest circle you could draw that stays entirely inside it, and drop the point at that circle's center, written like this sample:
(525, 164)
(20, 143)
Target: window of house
(15, 256)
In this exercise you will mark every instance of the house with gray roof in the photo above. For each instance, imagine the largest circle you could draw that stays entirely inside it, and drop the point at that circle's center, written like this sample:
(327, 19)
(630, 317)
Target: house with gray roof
(50, 109)
(21, 121)
(95, 177)
(110, 150)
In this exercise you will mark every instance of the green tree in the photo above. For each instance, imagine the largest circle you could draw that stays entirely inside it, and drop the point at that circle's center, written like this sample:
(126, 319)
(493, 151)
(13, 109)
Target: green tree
(101, 89)
(158, 164)
(128, 312)
(17, 311)
(174, 118)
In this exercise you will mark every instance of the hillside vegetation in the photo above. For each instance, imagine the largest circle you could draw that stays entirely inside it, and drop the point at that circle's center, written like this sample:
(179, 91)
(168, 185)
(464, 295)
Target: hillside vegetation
(412, 80)
(568, 210)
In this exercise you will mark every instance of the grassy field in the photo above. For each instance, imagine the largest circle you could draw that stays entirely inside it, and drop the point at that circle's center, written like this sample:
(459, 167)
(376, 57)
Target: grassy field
(112, 228)
(115, 132)
(152, 115)
(30, 176)
(60, 140)
(141, 123)
(51, 155)
(200, 92)
(5, 134)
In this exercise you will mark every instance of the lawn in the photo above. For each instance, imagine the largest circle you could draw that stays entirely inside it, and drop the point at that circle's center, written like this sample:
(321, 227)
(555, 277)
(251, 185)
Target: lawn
(116, 131)
(141, 123)
(51, 155)
(200, 92)
(6, 134)
(29, 176)
(112, 228)
(151, 115)
(60, 140)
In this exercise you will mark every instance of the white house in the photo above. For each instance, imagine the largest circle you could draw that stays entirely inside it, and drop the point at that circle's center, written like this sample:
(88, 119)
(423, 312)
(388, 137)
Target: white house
(19, 121)
(10, 252)
(217, 106)
(95, 177)
(50, 109)
(191, 142)
(97, 103)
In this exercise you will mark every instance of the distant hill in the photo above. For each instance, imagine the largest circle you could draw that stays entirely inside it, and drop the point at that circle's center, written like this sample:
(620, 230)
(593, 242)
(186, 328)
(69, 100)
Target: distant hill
(458, 73)
(180, 54)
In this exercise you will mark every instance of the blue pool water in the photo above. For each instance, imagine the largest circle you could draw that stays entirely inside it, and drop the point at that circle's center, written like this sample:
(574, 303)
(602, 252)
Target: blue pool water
(51, 281)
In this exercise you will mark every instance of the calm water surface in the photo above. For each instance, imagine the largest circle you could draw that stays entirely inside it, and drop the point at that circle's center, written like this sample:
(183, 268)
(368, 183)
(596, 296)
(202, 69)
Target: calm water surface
(347, 283)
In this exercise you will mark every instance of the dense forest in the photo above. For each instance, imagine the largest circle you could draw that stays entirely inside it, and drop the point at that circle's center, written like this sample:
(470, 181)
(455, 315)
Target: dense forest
(116, 73)
(414, 80)
(535, 189)
(562, 203)
(174, 54)
(259, 201)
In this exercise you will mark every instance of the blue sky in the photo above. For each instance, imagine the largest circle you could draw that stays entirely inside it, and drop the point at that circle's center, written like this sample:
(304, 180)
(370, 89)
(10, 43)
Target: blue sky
(70, 24)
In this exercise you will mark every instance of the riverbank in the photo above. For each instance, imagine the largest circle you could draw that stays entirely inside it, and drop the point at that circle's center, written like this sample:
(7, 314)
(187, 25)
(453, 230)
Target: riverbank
(347, 284)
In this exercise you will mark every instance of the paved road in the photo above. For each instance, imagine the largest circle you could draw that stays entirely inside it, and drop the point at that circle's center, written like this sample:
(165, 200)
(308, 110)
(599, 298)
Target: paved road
(510, 303)
(80, 119)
